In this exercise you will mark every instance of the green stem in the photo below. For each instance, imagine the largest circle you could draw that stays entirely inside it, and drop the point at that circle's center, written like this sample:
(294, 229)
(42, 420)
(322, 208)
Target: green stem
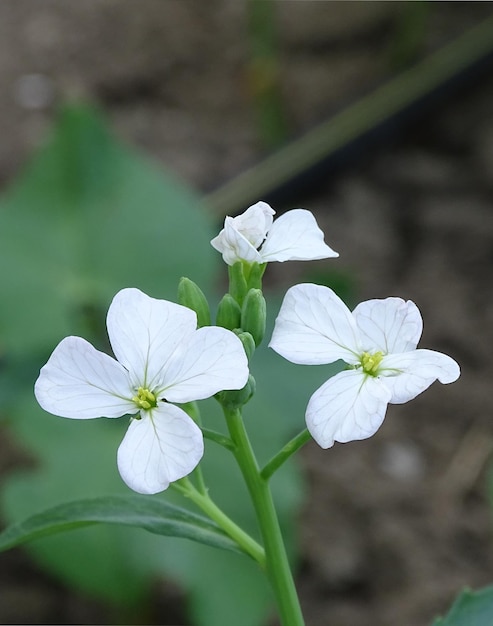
(192, 409)
(208, 506)
(278, 568)
(289, 449)
(218, 438)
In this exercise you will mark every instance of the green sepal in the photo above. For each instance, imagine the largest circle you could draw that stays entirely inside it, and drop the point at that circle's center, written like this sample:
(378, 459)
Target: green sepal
(248, 342)
(254, 314)
(236, 398)
(228, 313)
(191, 296)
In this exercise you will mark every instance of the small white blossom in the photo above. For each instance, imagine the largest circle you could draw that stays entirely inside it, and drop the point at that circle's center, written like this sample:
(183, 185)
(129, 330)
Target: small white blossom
(377, 341)
(161, 358)
(255, 237)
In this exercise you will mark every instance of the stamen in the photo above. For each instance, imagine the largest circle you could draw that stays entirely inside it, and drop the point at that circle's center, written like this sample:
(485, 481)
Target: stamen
(145, 399)
(371, 362)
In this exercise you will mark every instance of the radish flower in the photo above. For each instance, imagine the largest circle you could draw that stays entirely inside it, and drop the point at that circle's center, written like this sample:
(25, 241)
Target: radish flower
(161, 359)
(378, 343)
(255, 237)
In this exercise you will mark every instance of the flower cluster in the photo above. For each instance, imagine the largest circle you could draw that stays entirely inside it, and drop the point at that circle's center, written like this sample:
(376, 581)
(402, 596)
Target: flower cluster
(163, 360)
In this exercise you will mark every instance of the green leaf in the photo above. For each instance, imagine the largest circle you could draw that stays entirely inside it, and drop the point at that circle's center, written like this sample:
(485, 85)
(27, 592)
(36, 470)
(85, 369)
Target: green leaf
(471, 608)
(155, 516)
(87, 217)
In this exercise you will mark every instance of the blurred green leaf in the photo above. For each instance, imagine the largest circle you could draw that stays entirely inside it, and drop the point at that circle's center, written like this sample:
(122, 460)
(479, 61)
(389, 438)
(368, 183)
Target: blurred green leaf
(76, 460)
(87, 218)
(155, 516)
(471, 608)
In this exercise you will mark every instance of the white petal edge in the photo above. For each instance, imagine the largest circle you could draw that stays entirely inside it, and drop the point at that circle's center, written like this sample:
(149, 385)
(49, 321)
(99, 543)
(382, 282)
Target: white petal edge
(295, 236)
(389, 325)
(158, 449)
(315, 327)
(212, 360)
(80, 382)
(144, 332)
(416, 371)
(348, 407)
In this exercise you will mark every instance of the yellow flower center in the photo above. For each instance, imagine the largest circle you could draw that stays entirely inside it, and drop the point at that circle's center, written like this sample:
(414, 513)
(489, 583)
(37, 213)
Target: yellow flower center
(370, 362)
(145, 399)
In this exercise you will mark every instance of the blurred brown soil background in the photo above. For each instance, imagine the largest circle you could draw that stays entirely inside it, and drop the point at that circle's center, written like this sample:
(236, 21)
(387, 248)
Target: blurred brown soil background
(395, 526)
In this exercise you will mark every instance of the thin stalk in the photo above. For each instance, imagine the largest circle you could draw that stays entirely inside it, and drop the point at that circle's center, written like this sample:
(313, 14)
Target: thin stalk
(192, 409)
(218, 438)
(208, 506)
(278, 568)
(367, 113)
(283, 455)
(264, 72)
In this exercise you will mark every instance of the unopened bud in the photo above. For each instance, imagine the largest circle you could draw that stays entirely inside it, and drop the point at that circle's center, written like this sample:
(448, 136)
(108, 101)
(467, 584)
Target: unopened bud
(191, 296)
(248, 343)
(253, 315)
(228, 313)
(236, 398)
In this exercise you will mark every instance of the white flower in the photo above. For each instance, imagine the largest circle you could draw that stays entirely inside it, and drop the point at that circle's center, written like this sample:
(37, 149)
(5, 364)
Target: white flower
(162, 358)
(377, 341)
(295, 236)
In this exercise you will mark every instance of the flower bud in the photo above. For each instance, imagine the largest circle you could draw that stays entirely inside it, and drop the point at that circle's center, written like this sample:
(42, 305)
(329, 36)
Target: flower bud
(253, 315)
(191, 296)
(248, 343)
(236, 398)
(228, 313)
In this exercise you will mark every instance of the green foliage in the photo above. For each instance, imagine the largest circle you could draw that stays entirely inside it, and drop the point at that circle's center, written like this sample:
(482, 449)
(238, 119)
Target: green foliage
(160, 518)
(471, 608)
(87, 218)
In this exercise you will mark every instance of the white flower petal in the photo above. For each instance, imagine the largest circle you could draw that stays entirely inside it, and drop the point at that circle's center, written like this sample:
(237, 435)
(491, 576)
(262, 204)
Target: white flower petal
(80, 382)
(348, 407)
(295, 236)
(415, 371)
(314, 327)
(254, 223)
(164, 446)
(212, 360)
(144, 332)
(234, 246)
(390, 325)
